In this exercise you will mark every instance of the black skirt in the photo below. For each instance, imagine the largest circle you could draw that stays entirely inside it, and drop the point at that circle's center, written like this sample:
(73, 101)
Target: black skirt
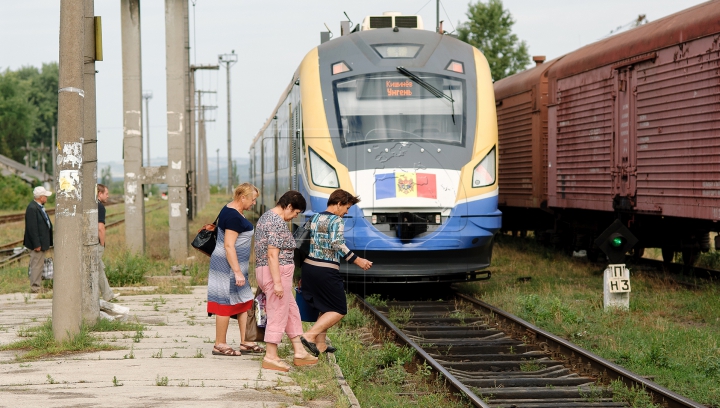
(322, 288)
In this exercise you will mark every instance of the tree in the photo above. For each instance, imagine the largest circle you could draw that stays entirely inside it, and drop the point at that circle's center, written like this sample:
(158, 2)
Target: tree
(489, 29)
(17, 116)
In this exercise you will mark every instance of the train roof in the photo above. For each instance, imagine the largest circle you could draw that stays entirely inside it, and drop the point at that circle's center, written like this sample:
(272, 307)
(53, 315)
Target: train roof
(522, 81)
(698, 21)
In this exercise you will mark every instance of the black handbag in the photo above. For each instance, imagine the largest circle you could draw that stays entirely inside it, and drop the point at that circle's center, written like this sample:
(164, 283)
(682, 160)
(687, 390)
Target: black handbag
(206, 238)
(302, 243)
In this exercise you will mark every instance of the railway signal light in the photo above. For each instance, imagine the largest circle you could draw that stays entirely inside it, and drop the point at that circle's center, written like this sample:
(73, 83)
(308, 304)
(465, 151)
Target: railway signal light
(616, 241)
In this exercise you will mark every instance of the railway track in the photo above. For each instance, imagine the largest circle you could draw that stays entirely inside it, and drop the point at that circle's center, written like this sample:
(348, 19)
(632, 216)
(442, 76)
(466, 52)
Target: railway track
(5, 219)
(10, 252)
(499, 360)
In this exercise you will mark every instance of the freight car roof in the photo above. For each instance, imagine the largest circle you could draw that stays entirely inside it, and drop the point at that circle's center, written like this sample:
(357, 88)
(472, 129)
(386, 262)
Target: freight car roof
(699, 21)
(522, 81)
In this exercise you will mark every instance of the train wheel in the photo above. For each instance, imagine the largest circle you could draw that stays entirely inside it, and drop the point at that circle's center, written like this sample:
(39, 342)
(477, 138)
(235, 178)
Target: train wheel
(667, 254)
(689, 255)
(638, 253)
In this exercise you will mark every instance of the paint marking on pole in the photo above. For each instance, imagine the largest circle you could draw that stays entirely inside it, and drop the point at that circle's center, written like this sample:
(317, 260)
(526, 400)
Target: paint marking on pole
(616, 287)
(73, 90)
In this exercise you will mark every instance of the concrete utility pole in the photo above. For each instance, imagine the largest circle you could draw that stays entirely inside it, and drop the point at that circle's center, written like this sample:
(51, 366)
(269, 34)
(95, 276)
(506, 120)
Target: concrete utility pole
(218, 168)
(177, 58)
(132, 125)
(195, 149)
(203, 180)
(147, 95)
(90, 286)
(229, 60)
(67, 296)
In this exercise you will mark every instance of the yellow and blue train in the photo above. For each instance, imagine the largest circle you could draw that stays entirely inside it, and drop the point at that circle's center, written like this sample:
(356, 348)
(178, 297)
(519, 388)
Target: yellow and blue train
(405, 118)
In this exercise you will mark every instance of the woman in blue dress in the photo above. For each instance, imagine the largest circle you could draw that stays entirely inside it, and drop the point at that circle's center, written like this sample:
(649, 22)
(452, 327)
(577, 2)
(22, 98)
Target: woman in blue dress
(229, 292)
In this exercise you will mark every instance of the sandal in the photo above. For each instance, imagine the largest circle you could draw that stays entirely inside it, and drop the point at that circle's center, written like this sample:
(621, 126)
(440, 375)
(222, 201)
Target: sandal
(226, 351)
(310, 347)
(251, 348)
(277, 365)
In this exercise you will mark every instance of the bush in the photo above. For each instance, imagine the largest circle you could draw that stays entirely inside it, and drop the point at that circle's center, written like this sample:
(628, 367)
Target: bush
(15, 194)
(130, 269)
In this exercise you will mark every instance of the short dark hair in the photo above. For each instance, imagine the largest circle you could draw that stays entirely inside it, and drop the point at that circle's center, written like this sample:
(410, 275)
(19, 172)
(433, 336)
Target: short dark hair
(101, 188)
(342, 197)
(294, 199)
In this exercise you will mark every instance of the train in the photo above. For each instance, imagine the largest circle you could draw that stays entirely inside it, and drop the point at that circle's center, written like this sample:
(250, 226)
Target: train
(404, 118)
(625, 128)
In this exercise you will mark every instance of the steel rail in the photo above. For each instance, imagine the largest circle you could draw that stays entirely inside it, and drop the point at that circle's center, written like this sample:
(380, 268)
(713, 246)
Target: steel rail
(569, 351)
(476, 400)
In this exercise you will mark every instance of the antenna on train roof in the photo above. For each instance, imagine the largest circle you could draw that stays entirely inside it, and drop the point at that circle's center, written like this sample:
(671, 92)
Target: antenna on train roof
(328, 30)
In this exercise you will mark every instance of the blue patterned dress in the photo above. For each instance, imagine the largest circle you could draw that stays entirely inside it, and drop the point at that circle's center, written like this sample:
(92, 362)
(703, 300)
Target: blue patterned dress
(224, 297)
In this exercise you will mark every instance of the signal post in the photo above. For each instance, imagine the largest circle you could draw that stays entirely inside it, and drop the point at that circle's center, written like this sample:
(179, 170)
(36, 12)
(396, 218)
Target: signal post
(615, 242)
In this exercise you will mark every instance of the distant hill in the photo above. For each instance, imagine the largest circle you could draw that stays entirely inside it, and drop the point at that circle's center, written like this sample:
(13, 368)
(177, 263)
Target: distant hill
(116, 168)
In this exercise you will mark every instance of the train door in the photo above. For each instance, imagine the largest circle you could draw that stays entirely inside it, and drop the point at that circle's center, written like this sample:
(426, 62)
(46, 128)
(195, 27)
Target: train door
(296, 147)
(624, 166)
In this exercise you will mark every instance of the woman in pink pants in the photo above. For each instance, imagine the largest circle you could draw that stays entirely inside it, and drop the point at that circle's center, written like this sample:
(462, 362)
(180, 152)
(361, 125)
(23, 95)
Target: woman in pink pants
(274, 267)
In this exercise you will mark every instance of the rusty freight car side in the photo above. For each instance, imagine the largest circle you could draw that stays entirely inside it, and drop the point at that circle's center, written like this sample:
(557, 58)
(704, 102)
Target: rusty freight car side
(521, 102)
(634, 133)
(634, 120)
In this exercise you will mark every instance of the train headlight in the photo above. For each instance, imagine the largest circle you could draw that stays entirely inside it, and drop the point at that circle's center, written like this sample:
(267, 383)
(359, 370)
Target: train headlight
(323, 174)
(484, 172)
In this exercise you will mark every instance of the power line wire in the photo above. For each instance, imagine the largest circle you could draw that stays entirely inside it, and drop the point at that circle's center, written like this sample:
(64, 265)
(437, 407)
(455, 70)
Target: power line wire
(423, 7)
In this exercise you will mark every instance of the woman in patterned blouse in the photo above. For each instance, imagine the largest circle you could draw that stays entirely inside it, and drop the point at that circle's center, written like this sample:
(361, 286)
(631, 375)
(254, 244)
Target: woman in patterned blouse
(322, 285)
(274, 267)
(229, 292)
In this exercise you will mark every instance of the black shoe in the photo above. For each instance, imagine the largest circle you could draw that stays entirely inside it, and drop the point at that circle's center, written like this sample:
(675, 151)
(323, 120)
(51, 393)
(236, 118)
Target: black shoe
(311, 347)
(330, 349)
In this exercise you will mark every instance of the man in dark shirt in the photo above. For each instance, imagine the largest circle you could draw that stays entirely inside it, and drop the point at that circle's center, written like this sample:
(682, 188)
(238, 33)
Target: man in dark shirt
(105, 290)
(38, 235)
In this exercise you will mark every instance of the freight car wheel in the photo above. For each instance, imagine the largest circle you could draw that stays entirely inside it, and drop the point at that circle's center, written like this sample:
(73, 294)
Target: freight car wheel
(689, 255)
(667, 254)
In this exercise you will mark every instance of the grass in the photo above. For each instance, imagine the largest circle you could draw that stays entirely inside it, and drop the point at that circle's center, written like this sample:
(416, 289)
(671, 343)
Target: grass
(670, 332)
(38, 342)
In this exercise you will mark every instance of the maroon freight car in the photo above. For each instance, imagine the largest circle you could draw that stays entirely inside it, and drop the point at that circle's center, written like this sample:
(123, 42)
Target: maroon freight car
(633, 132)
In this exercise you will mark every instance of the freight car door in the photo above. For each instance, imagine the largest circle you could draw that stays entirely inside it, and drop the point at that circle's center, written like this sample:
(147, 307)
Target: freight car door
(624, 166)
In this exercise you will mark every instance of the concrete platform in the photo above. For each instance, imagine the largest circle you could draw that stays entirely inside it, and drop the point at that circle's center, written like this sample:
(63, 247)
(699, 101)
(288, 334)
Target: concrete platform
(176, 345)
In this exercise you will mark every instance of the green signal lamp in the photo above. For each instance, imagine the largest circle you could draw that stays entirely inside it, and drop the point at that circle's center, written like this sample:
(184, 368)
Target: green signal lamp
(616, 241)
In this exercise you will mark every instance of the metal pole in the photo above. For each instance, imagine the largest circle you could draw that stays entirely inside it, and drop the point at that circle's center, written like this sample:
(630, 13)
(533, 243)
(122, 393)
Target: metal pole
(132, 126)
(176, 56)
(147, 95)
(229, 60)
(90, 286)
(67, 294)
(437, 16)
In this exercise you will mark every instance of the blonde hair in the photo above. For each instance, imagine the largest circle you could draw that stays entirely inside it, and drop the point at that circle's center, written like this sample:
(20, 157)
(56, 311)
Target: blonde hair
(244, 190)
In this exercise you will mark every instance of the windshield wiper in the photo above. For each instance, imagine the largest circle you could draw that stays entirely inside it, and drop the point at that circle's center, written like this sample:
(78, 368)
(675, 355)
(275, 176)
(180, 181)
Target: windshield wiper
(436, 92)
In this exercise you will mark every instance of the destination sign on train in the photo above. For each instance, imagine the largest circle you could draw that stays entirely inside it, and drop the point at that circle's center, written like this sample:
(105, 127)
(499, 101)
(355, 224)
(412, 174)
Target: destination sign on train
(395, 88)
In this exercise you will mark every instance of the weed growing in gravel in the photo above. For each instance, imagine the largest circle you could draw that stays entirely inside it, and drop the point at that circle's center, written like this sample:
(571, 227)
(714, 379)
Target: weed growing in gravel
(376, 300)
(399, 315)
(40, 342)
(116, 382)
(635, 397)
(161, 382)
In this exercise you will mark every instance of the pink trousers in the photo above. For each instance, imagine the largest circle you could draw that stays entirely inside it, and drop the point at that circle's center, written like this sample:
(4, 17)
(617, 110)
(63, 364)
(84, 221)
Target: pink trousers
(283, 315)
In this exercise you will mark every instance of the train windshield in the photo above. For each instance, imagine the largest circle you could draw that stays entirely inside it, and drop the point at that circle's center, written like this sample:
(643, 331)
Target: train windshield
(393, 107)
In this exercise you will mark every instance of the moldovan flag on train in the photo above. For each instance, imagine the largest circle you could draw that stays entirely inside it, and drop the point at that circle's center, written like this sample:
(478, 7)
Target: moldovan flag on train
(398, 185)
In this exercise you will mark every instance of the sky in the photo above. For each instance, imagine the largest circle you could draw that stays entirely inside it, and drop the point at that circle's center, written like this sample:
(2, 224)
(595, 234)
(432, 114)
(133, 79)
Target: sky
(271, 37)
